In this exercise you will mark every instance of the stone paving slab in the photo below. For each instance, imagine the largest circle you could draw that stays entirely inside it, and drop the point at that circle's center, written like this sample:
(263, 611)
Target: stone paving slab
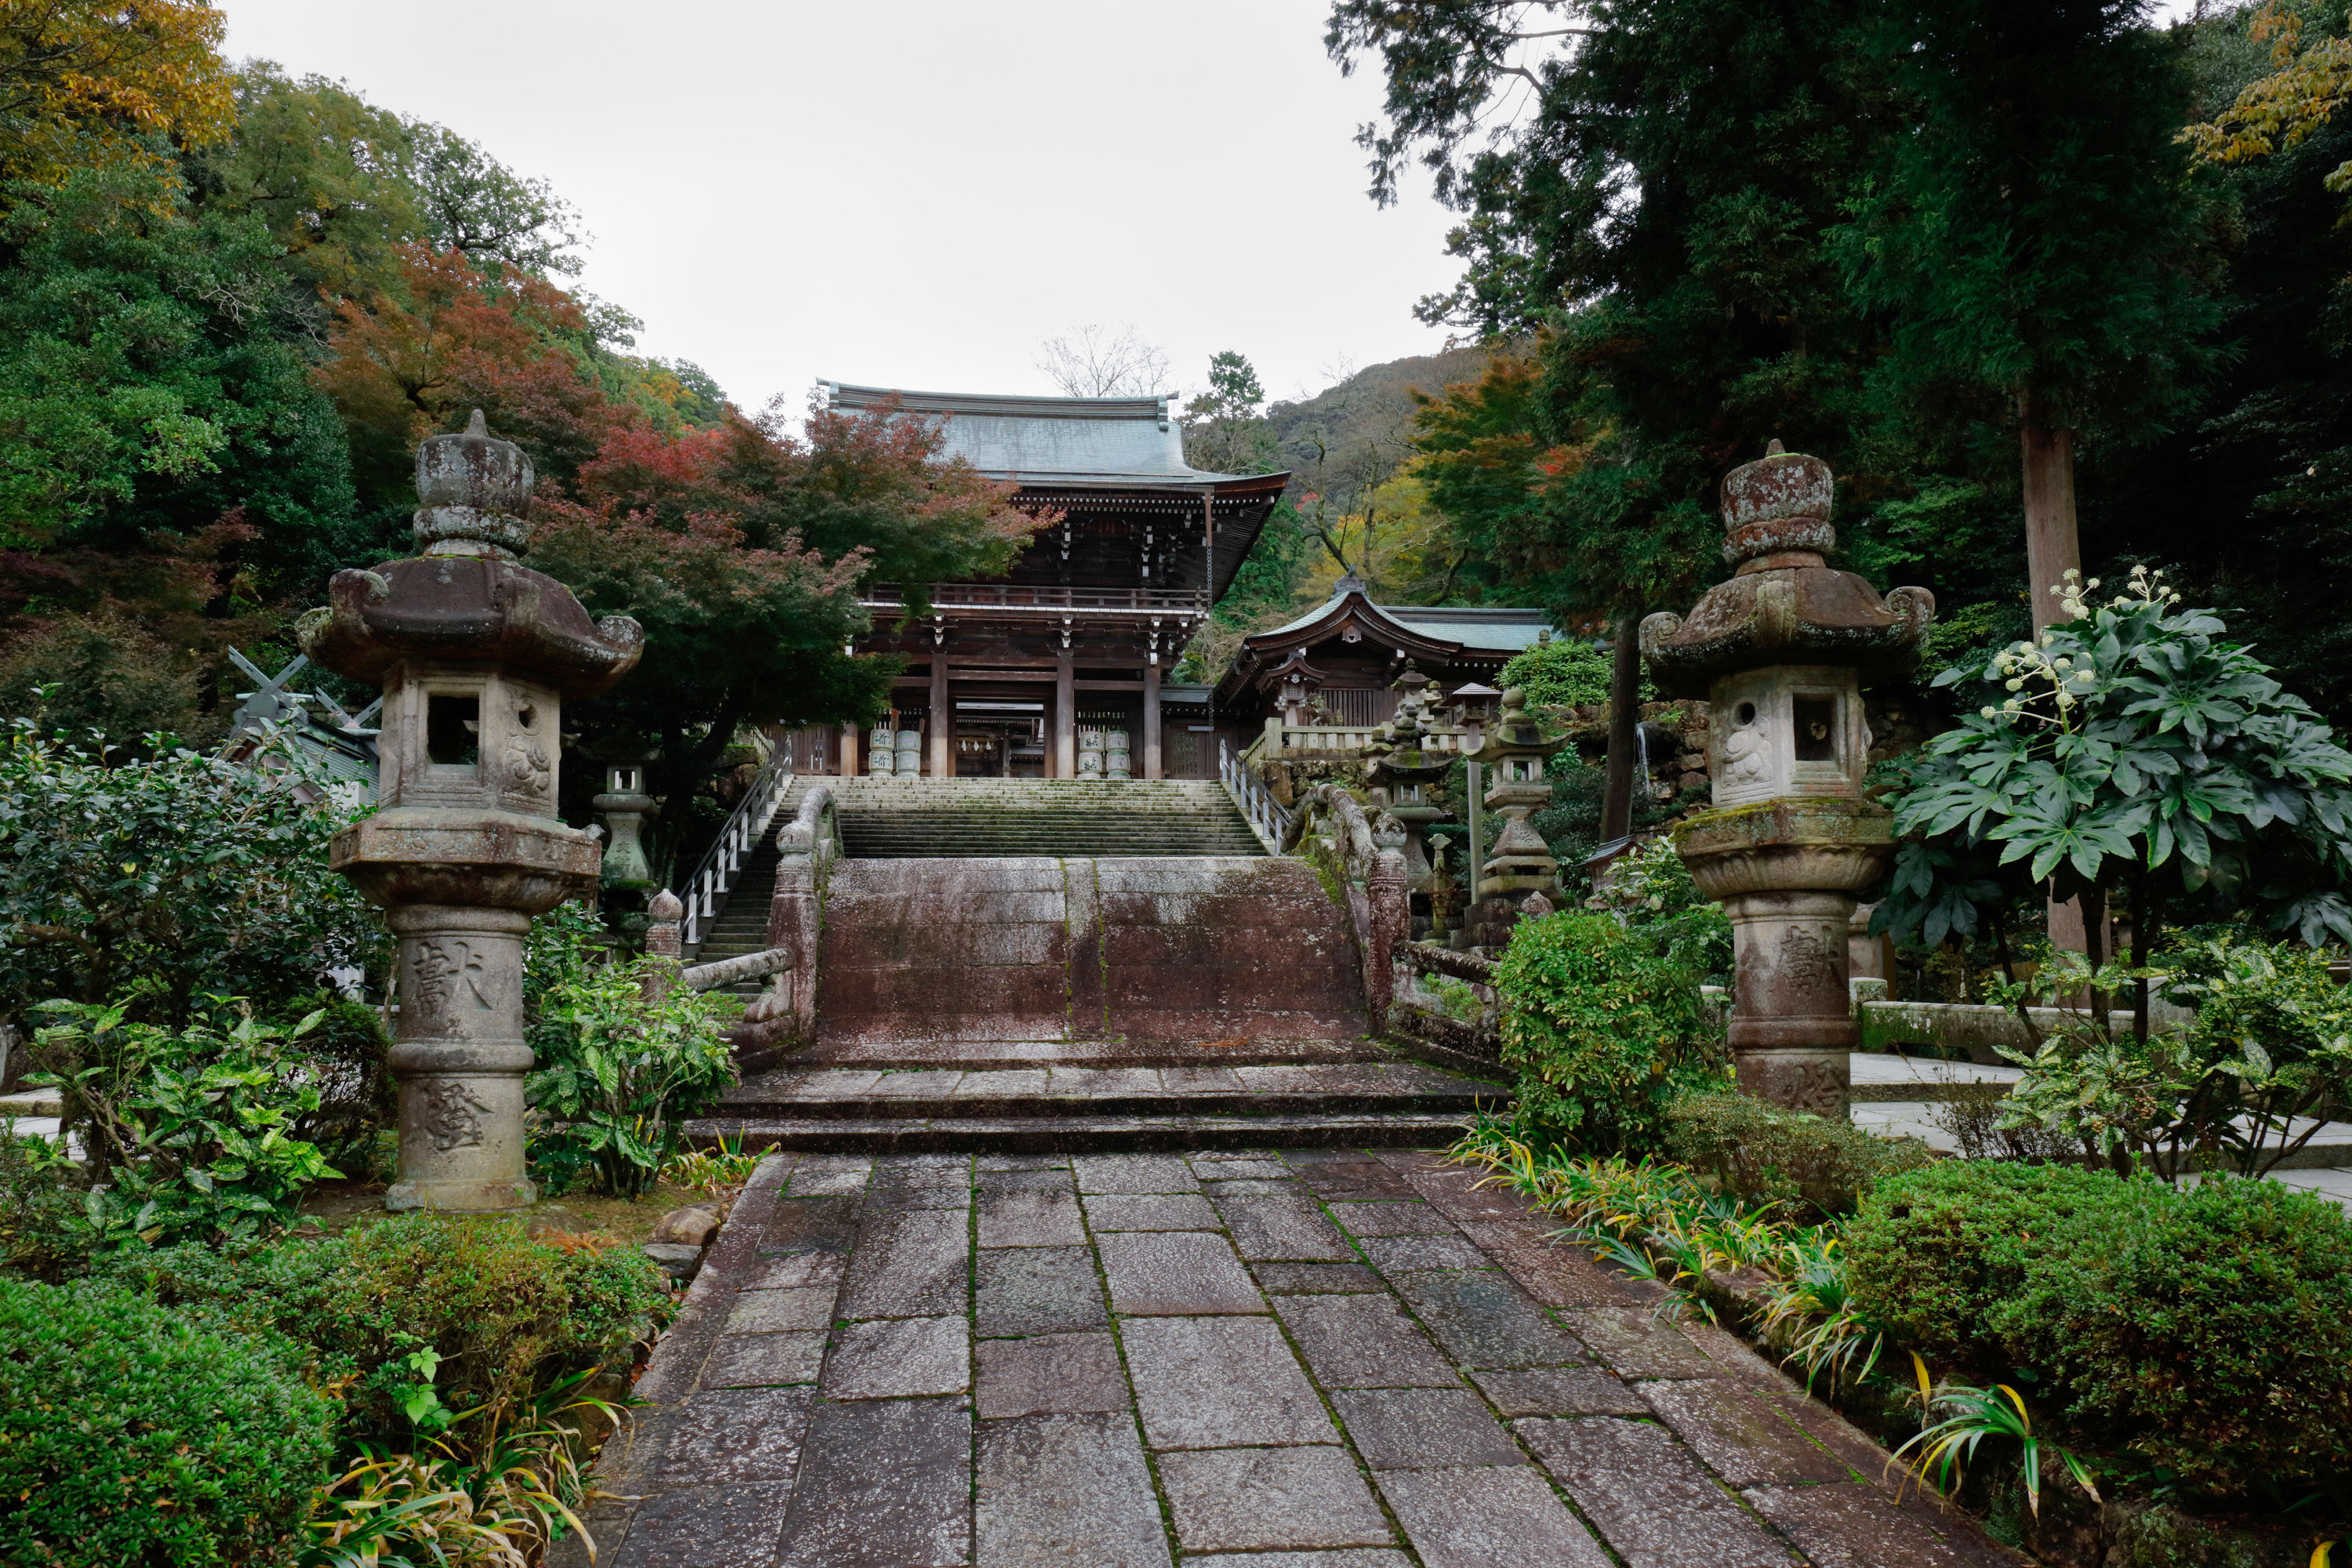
(918, 1362)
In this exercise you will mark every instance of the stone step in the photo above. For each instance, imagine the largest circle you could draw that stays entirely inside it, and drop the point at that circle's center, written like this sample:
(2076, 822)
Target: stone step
(1059, 1092)
(1075, 1134)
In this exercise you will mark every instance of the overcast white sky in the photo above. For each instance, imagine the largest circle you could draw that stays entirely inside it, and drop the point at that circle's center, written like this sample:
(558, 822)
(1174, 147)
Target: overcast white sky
(919, 192)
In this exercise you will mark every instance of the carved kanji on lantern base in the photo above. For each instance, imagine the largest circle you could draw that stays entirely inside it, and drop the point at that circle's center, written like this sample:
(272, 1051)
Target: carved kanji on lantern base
(1781, 652)
(475, 653)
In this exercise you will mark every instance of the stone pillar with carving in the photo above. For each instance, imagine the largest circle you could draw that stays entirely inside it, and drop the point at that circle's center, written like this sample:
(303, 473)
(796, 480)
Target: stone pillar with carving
(1781, 652)
(475, 653)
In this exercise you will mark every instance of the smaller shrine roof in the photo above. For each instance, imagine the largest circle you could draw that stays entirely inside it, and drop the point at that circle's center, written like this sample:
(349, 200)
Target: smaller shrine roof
(1478, 629)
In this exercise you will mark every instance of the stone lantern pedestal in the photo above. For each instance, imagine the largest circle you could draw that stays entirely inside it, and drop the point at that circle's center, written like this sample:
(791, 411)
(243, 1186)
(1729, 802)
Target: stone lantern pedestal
(1781, 652)
(475, 653)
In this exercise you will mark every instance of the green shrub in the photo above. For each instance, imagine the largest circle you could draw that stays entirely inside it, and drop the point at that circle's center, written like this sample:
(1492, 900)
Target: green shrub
(189, 1131)
(1651, 892)
(619, 1077)
(1603, 1033)
(2213, 1334)
(129, 1436)
(1762, 1152)
(1935, 1253)
(503, 1315)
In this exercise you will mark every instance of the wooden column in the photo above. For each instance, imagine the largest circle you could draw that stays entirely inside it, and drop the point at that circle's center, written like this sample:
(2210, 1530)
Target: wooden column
(943, 720)
(1066, 716)
(1151, 721)
(849, 750)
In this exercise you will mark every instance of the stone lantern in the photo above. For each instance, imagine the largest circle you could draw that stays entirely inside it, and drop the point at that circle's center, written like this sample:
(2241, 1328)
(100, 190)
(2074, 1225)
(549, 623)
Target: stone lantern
(1781, 652)
(626, 808)
(475, 653)
(1402, 772)
(1519, 864)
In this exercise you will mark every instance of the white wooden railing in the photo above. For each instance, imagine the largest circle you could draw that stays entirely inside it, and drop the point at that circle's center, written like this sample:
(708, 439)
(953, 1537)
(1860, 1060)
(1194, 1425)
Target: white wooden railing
(705, 889)
(1268, 820)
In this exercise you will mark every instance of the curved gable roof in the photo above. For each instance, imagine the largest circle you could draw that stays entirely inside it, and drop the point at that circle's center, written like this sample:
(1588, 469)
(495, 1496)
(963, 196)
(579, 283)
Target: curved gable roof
(1045, 441)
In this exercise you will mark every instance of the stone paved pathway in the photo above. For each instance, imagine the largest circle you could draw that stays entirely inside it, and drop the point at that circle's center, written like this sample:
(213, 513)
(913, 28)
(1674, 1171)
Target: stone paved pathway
(1314, 1359)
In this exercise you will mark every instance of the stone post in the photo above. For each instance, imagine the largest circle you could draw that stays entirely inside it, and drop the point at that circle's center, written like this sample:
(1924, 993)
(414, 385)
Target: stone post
(626, 807)
(475, 653)
(1781, 652)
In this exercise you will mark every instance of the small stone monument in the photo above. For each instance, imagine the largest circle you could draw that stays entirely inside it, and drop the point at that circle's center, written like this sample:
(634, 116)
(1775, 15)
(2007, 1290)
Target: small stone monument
(475, 653)
(627, 807)
(1781, 652)
(1518, 862)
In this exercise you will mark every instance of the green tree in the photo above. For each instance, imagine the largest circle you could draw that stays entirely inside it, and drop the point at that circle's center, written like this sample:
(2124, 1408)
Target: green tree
(2033, 244)
(1659, 205)
(1225, 430)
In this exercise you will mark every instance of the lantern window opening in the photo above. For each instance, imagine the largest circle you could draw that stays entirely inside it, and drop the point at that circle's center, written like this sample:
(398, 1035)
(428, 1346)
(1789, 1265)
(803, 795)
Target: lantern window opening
(1815, 718)
(453, 729)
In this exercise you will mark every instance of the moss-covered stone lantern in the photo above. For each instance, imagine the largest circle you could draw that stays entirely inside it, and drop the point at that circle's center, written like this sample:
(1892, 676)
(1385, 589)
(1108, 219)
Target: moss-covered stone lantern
(475, 653)
(1781, 652)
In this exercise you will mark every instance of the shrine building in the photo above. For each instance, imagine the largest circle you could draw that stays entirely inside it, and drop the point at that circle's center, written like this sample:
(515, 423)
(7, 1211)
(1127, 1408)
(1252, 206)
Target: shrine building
(1057, 670)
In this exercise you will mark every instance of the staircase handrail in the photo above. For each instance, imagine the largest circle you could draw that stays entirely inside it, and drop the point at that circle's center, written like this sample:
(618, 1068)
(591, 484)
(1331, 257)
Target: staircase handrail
(1267, 819)
(705, 887)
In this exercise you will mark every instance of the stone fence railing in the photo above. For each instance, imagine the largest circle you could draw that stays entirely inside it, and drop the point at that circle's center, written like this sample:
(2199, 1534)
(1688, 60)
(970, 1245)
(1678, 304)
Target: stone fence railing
(1441, 997)
(1371, 882)
(1282, 743)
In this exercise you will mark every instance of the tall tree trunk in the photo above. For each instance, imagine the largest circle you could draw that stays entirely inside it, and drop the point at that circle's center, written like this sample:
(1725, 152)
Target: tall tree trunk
(2053, 548)
(1624, 716)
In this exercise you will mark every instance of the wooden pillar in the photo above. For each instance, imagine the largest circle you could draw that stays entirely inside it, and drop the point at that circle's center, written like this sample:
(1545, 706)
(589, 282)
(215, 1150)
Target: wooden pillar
(849, 750)
(1066, 715)
(943, 720)
(1151, 721)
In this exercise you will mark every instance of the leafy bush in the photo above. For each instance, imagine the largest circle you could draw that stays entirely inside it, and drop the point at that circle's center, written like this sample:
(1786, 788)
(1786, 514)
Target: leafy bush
(1763, 1154)
(2270, 1046)
(428, 1312)
(2132, 749)
(129, 1434)
(192, 876)
(1651, 892)
(619, 1076)
(1602, 1031)
(188, 1131)
(2211, 1333)
(2207, 1328)
(1936, 1252)
(1569, 671)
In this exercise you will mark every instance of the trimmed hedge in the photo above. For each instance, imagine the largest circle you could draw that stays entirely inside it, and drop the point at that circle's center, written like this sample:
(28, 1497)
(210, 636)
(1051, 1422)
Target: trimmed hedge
(1762, 1152)
(130, 1435)
(1936, 1252)
(2208, 1328)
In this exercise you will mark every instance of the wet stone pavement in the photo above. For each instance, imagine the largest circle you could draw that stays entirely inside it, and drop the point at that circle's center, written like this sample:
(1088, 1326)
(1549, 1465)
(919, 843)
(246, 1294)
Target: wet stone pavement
(1307, 1359)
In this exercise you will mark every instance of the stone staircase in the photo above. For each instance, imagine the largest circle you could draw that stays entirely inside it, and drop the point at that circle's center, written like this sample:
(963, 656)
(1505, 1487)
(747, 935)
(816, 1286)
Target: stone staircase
(1076, 1004)
(995, 818)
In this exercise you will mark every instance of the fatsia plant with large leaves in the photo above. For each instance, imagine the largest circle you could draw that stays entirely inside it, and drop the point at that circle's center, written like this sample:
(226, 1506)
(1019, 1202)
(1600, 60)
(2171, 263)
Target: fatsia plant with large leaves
(2135, 751)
